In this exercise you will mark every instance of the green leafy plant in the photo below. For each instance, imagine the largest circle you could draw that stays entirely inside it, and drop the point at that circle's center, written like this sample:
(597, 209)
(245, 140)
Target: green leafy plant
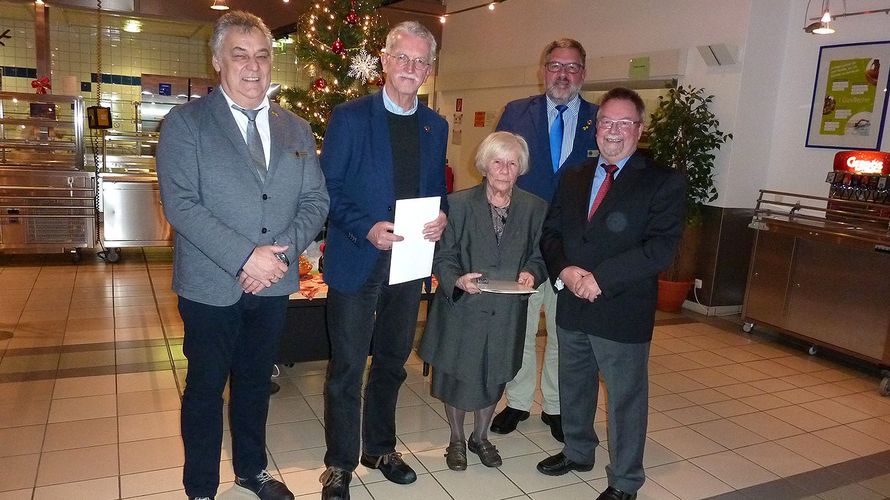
(684, 135)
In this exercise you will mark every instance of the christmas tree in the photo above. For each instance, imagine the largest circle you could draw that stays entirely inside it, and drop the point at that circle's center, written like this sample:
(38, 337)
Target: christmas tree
(338, 44)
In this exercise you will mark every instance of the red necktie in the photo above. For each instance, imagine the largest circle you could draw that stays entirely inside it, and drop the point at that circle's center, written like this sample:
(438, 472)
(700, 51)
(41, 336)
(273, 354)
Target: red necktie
(604, 188)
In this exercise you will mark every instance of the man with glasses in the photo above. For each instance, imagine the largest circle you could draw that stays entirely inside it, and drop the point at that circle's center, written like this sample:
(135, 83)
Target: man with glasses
(614, 224)
(558, 126)
(377, 149)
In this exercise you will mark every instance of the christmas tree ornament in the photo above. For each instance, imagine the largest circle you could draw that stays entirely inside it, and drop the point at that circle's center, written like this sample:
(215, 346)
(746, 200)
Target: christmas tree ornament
(320, 84)
(352, 18)
(363, 67)
(338, 46)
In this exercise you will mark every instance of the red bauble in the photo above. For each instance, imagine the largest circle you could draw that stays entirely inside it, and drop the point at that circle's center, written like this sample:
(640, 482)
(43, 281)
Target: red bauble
(352, 18)
(338, 46)
(320, 84)
(381, 81)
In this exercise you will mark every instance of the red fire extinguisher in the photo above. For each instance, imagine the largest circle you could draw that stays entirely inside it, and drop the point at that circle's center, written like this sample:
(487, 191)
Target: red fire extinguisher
(449, 177)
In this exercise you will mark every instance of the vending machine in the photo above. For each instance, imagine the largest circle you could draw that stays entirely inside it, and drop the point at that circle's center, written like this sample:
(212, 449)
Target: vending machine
(863, 177)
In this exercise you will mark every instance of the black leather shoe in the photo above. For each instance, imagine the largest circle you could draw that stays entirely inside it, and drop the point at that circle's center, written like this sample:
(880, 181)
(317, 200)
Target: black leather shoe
(392, 466)
(335, 484)
(265, 487)
(558, 465)
(616, 494)
(555, 423)
(506, 421)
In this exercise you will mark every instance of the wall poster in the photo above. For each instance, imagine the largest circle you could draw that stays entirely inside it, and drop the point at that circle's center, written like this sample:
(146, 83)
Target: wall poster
(850, 96)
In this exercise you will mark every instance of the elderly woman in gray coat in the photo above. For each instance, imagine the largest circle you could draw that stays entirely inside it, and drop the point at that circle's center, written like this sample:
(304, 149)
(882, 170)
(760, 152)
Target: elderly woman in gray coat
(474, 340)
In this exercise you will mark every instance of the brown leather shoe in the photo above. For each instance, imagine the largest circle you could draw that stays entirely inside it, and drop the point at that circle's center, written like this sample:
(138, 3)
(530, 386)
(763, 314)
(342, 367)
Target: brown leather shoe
(456, 455)
(487, 452)
(506, 421)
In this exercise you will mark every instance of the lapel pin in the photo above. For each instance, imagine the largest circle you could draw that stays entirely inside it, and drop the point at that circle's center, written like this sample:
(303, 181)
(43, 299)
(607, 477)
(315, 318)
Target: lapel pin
(301, 154)
(592, 153)
(426, 128)
(275, 114)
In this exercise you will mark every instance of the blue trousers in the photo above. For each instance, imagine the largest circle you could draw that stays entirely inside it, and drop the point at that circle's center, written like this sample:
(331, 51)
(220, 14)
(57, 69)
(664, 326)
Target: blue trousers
(237, 343)
(380, 319)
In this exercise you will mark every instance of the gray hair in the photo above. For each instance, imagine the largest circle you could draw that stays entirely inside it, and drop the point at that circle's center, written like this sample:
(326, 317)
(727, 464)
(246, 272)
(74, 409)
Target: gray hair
(498, 144)
(412, 28)
(564, 43)
(244, 21)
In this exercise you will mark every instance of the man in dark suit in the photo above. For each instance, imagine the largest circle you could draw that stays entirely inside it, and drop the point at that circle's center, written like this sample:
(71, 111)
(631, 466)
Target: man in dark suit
(241, 186)
(614, 224)
(377, 149)
(558, 126)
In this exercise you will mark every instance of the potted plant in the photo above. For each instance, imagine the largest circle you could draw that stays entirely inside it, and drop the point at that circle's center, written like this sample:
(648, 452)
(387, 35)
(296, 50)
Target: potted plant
(684, 134)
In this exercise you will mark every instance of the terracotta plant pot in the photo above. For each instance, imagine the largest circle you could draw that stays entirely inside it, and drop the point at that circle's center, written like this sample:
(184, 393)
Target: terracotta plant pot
(671, 295)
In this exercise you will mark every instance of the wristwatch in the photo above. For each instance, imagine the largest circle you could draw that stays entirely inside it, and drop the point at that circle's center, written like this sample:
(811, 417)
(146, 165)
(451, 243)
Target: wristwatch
(283, 258)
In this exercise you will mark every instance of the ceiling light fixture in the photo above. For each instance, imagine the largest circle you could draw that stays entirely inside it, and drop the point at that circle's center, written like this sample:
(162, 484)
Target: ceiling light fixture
(132, 26)
(220, 5)
(822, 25)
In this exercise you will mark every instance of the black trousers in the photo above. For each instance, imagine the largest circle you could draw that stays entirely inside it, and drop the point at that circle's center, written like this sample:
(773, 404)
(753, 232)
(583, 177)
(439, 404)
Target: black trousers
(380, 319)
(237, 343)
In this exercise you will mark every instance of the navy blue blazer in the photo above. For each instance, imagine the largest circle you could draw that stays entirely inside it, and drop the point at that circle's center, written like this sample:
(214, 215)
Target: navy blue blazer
(356, 159)
(528, 118)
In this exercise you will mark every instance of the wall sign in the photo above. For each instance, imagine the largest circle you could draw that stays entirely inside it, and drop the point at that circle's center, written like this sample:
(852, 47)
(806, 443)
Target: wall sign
(850, 96)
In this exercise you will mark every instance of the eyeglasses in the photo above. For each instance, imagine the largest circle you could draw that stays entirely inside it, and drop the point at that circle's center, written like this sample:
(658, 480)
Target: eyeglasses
(571, 68)
(606, 124)
(403, 61)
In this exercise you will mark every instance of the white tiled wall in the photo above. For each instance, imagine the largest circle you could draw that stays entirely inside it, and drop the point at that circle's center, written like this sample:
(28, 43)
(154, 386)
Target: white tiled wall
(74, 59)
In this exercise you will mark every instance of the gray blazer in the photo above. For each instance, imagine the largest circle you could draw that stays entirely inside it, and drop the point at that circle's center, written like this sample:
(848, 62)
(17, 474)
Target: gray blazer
(479, 338)
(219, 207)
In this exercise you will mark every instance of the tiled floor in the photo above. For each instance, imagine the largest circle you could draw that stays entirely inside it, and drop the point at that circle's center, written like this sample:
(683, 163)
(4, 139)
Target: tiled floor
(91, 369)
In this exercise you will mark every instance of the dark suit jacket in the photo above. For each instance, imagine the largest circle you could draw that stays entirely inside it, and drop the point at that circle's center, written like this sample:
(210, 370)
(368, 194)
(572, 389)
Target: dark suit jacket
(528, 118)
(632, 237)
(479, 338)
(357, 162)
(219, 207)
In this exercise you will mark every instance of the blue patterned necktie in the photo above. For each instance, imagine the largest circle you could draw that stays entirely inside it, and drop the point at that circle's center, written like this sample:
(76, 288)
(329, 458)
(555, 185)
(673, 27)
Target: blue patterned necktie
(254, 141)
(556, 133)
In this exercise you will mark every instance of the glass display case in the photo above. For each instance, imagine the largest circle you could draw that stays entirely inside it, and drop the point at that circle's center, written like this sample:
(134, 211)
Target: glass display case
(47, 200)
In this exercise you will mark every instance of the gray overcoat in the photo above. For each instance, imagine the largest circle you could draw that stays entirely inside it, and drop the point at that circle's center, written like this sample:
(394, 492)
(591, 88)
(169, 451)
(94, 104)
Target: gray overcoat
(479, 338)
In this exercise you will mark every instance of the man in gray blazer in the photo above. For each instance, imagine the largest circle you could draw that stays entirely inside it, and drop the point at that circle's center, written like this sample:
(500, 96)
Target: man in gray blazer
(241, 185)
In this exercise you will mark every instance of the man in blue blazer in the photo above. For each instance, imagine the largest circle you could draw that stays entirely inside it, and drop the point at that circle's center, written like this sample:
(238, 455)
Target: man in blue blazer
(377, 149)
(560, 130)
(241, 186)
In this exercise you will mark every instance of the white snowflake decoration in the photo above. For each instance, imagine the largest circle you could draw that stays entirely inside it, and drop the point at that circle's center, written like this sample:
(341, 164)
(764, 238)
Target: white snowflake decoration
(363, 67)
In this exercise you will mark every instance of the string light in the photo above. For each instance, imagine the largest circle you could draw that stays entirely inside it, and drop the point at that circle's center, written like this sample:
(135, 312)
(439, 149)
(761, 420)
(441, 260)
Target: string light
(444, 17)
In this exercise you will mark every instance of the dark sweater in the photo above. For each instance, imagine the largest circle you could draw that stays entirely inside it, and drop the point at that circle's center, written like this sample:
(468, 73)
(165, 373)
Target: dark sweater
(405, 141)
